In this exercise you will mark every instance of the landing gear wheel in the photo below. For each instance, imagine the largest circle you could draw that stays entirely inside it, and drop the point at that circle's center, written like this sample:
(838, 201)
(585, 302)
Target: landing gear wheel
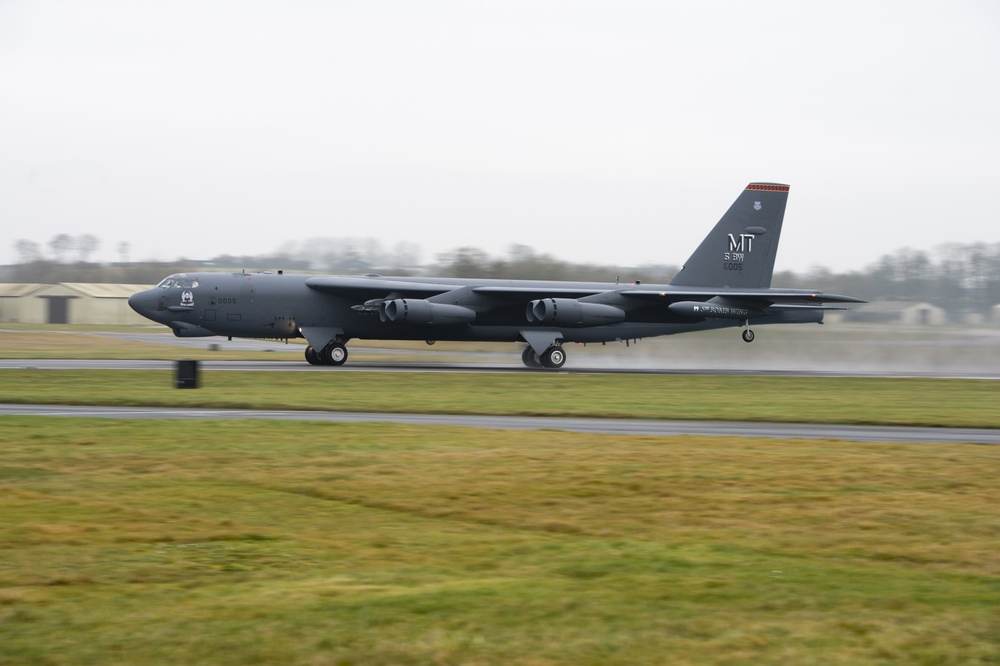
(748, 335)
(334, 354)
(312, 356)
(530, 358)
(554, 357)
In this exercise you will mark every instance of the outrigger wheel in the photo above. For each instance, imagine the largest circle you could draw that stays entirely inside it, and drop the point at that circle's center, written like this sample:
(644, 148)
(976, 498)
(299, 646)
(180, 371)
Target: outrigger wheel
(747, 335)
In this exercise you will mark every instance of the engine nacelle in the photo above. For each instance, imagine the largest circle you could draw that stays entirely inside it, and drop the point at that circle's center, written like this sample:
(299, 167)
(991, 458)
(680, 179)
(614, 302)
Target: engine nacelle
(709, 310)
(571, 312)
(423, 312)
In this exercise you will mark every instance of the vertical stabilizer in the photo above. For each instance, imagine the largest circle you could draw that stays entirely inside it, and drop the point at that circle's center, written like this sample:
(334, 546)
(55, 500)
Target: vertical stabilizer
(740, 250)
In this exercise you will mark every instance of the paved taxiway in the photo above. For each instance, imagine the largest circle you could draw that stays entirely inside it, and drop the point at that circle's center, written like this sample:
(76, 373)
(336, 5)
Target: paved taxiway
(863, 353)
(481, 367)
(583, 425)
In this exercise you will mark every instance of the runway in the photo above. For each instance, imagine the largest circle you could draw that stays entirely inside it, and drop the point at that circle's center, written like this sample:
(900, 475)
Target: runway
(811, 352)
(466, 367)
(581, 425)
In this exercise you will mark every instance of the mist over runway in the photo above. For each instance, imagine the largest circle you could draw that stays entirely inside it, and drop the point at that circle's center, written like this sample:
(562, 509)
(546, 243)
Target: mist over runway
(833, 350)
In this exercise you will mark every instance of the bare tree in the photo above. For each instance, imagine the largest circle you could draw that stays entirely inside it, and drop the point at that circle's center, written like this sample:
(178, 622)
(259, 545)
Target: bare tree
(519, 253)
(467, 262)
(406, 254)
(28, 251)
(60, 245)
(86, 245)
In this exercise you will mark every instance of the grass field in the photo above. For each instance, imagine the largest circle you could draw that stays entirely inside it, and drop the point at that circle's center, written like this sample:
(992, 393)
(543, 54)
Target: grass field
(229, 542)
(928, 402)
(241, 543)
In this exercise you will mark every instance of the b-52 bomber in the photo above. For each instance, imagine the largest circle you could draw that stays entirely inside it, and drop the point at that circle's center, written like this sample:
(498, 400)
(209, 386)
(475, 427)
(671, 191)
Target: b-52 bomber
(725, 283)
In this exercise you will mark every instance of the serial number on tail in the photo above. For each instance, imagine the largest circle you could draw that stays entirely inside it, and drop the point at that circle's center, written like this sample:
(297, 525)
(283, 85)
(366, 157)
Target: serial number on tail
(732, 266)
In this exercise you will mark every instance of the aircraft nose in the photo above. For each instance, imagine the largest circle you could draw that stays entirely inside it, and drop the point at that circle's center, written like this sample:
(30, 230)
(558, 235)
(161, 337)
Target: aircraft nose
(142, 303)
(133, 302)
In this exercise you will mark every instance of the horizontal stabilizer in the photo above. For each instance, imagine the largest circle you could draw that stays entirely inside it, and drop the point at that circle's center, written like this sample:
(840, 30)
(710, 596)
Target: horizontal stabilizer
(769, 297)
(800, 306)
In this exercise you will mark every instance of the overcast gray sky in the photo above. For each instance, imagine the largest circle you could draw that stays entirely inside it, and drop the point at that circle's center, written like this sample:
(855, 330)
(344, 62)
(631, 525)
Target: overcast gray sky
(612, 132)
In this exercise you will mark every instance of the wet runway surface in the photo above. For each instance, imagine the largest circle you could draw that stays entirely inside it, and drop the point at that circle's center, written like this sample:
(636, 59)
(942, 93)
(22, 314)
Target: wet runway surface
(810, 351)
(297, 365)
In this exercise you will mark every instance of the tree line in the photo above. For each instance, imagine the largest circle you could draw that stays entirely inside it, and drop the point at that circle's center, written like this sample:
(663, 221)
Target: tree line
(961, 278)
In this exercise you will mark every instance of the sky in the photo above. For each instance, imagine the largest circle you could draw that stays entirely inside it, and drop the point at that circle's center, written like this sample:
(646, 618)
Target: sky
(600, 132)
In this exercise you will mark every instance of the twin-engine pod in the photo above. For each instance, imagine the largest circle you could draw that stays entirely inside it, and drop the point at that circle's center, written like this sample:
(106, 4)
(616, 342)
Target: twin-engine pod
(571, 312)
(709, 310)
(419, 311)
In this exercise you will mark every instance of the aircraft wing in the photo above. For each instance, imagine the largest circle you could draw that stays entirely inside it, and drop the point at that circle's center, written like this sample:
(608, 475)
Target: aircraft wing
(772, 298)
(531, 293)
(375, 285)
(609, 302)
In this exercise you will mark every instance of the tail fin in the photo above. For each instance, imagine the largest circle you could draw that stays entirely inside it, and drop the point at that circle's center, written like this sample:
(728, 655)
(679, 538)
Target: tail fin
(740, 250)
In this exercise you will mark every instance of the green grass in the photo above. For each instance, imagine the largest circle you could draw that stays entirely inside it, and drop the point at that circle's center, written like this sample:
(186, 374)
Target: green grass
(927, 402)
(308, 543)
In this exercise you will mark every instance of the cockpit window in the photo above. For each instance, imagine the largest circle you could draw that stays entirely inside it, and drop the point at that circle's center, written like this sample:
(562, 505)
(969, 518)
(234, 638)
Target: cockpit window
(178, 282)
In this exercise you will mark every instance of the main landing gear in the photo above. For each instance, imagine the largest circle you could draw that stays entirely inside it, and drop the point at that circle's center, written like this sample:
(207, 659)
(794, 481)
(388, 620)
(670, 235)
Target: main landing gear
(334, 353)
(552, 358)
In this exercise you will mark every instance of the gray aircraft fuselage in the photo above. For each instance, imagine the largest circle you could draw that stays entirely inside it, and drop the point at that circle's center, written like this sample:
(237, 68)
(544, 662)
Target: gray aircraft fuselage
(276, 305)
(726, 283)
